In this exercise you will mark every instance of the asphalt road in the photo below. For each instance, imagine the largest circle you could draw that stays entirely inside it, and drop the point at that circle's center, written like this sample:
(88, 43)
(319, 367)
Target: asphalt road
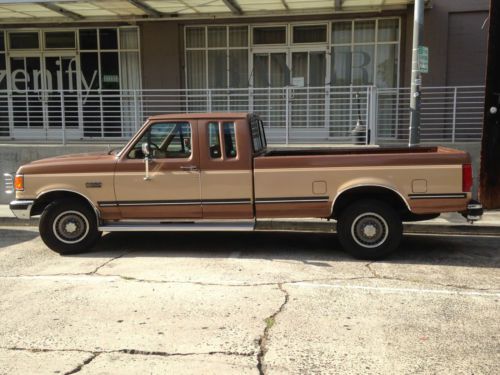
(238, 303)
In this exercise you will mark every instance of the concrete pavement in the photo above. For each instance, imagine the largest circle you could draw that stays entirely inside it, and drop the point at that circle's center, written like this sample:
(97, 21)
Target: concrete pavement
(262, 303)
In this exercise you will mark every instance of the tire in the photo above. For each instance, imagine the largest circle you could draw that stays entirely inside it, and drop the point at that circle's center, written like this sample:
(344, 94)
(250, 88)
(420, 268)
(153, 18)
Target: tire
(69, 227)
(369, 229)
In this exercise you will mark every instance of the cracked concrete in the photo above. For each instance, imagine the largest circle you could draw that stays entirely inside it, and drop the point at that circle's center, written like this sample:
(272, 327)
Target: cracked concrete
(270, 322)
(247, 303)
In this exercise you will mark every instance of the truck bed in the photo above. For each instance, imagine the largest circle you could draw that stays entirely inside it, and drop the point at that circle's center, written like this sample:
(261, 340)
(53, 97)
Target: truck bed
(369, 156)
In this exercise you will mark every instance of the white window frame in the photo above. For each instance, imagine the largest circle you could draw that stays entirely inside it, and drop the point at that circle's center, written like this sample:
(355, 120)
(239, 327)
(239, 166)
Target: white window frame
(291, 47)
(375, 44)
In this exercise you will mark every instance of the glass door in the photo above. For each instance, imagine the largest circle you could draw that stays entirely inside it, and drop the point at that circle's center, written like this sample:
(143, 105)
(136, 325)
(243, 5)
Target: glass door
(270, 74)
(309, 95)
(26, 109)
(62, 104)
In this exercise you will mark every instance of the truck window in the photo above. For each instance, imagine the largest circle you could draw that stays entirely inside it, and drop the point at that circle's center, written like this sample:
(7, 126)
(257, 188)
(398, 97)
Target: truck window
(214, 140)
(256, 138)
(229, 139)
(167, 140)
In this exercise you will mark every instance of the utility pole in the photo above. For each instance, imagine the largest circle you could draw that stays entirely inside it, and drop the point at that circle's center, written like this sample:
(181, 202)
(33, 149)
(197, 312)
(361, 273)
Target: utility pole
(489, 188)
(416, 76)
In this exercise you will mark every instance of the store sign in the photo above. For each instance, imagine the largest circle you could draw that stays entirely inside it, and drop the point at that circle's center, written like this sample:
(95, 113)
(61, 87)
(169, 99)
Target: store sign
(61, 79)
(423, 59)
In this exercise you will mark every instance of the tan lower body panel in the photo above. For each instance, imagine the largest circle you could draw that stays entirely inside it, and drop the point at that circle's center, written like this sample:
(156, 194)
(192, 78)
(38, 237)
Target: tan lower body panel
(431, 206)
(228, 211)
(291, 210)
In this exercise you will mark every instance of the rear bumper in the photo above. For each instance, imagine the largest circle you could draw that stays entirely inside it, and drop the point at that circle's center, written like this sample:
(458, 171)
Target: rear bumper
(474, 211)
(21, 208)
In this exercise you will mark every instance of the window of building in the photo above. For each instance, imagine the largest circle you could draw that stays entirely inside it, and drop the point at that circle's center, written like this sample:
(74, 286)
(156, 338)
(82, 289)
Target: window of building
(269, 35)
(216, 57)
(365, 52)
(309, 34)
(60, 40)
(24, 40)
(95, 61)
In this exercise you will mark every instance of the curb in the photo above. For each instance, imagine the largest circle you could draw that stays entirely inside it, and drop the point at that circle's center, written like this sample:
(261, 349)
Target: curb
(329, 227)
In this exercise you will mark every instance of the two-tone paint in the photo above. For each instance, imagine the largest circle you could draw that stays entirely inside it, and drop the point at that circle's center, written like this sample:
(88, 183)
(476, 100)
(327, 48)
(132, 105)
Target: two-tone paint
(271, 184)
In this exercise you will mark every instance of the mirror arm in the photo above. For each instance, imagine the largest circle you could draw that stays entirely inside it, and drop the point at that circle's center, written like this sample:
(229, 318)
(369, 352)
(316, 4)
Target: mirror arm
(146, 161)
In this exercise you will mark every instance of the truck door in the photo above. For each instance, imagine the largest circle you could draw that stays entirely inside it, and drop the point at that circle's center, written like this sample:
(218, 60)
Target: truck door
(172, 190)
(226, 169)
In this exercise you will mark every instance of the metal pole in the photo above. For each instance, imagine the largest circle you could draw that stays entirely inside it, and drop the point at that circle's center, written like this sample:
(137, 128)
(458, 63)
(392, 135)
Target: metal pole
(416, 77)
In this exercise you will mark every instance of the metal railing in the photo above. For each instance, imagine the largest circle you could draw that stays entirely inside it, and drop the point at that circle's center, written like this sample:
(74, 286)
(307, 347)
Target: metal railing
(293, 115)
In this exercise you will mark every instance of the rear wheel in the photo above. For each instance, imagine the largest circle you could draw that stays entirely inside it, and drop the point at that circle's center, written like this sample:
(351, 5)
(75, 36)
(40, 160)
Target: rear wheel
(69, 227)
(369, 229)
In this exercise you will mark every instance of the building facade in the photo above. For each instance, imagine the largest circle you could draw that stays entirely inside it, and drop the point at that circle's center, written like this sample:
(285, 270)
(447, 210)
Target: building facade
(97, 77)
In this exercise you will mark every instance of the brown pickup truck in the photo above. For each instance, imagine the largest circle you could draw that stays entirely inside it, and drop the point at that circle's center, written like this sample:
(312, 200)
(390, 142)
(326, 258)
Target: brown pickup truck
(214, 172)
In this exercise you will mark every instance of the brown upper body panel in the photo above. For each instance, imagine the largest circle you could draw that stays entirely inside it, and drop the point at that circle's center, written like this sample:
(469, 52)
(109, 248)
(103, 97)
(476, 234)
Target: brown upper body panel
(76, 163)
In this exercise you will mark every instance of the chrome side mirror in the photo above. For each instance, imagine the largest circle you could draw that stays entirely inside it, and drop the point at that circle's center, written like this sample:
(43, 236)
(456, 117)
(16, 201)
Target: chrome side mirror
(147, 152)
(145, 149)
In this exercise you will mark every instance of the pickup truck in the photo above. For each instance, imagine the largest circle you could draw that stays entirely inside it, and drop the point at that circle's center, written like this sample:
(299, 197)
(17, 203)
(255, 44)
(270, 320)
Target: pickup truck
(214, 172)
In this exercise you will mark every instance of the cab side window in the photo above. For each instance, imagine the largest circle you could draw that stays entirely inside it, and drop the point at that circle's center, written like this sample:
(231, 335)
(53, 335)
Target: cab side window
(229, 140)
(214, 140)
(166, 140)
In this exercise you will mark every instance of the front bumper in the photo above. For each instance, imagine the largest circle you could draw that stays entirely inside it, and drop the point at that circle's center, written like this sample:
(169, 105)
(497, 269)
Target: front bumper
(474, 211)
(21, 208)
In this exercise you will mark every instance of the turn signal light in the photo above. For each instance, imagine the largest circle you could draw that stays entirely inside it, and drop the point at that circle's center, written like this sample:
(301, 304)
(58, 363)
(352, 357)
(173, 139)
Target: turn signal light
(466, 178)
(19, 182)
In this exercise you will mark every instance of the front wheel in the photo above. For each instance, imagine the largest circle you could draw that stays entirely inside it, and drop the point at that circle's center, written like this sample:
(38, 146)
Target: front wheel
(69, 227)
(369, 229)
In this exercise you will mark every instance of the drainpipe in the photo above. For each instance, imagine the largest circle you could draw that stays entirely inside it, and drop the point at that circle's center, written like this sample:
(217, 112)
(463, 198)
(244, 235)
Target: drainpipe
(416, 76)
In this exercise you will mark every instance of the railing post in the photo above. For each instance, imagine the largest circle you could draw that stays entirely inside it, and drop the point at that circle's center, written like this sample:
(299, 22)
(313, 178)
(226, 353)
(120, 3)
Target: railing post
(287, 115)
(454, 122)
(373, 114)
(136, 112)
(209, 98)
(63, 117)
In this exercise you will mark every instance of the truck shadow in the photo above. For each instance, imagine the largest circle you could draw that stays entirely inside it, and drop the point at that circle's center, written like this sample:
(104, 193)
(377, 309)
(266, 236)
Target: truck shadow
(14, 236)
(318, 249)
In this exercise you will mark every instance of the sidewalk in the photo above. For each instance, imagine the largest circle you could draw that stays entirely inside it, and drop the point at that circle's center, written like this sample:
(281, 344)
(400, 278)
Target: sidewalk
(449, 223)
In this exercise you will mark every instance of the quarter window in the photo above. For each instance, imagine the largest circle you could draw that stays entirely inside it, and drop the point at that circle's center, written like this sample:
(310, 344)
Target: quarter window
(229, 140)
(214, 140)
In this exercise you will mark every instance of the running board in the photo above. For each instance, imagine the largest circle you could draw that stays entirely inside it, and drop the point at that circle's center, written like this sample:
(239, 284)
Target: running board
(179, 227)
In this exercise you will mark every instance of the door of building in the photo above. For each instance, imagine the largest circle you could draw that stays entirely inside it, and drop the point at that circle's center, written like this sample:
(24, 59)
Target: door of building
(309, 96)
(61, 102)
(270, 74)
(25, 104)
(44, 98)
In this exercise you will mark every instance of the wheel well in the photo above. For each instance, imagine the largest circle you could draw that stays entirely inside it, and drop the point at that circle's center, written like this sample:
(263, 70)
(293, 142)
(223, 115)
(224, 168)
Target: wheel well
(370, 192)
(45, 199)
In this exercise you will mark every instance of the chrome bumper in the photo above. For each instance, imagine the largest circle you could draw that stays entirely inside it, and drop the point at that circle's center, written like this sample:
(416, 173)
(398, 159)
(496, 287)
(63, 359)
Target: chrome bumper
(21, 208)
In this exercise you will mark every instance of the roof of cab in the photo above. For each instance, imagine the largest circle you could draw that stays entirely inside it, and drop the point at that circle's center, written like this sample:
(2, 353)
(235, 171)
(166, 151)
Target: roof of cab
(209, 115)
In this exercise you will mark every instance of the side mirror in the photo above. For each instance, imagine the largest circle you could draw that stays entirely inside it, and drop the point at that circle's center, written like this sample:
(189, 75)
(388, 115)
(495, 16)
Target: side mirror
(145, 149)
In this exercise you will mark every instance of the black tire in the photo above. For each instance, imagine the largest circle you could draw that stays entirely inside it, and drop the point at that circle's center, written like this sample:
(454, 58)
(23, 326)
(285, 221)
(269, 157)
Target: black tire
(369, 229)
(69, 227)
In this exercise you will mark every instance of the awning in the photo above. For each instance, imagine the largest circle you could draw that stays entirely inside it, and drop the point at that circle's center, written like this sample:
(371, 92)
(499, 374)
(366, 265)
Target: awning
(35, 11)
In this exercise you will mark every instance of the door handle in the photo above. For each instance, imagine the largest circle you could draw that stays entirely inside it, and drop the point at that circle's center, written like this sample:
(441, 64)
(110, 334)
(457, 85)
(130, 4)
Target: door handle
(192, 168)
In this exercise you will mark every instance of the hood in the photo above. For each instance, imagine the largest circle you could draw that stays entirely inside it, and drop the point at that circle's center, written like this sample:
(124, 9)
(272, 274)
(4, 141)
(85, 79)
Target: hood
(92, 162)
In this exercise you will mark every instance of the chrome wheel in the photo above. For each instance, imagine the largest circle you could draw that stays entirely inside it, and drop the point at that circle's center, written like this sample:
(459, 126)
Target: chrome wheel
(70, 227)
(369, 230)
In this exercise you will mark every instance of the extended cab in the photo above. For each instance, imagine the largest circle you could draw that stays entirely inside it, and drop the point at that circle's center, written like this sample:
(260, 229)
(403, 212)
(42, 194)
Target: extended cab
(214, 171)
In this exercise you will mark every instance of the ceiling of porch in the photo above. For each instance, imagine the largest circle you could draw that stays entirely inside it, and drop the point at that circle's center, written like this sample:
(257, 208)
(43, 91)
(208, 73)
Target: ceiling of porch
(36, 11)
